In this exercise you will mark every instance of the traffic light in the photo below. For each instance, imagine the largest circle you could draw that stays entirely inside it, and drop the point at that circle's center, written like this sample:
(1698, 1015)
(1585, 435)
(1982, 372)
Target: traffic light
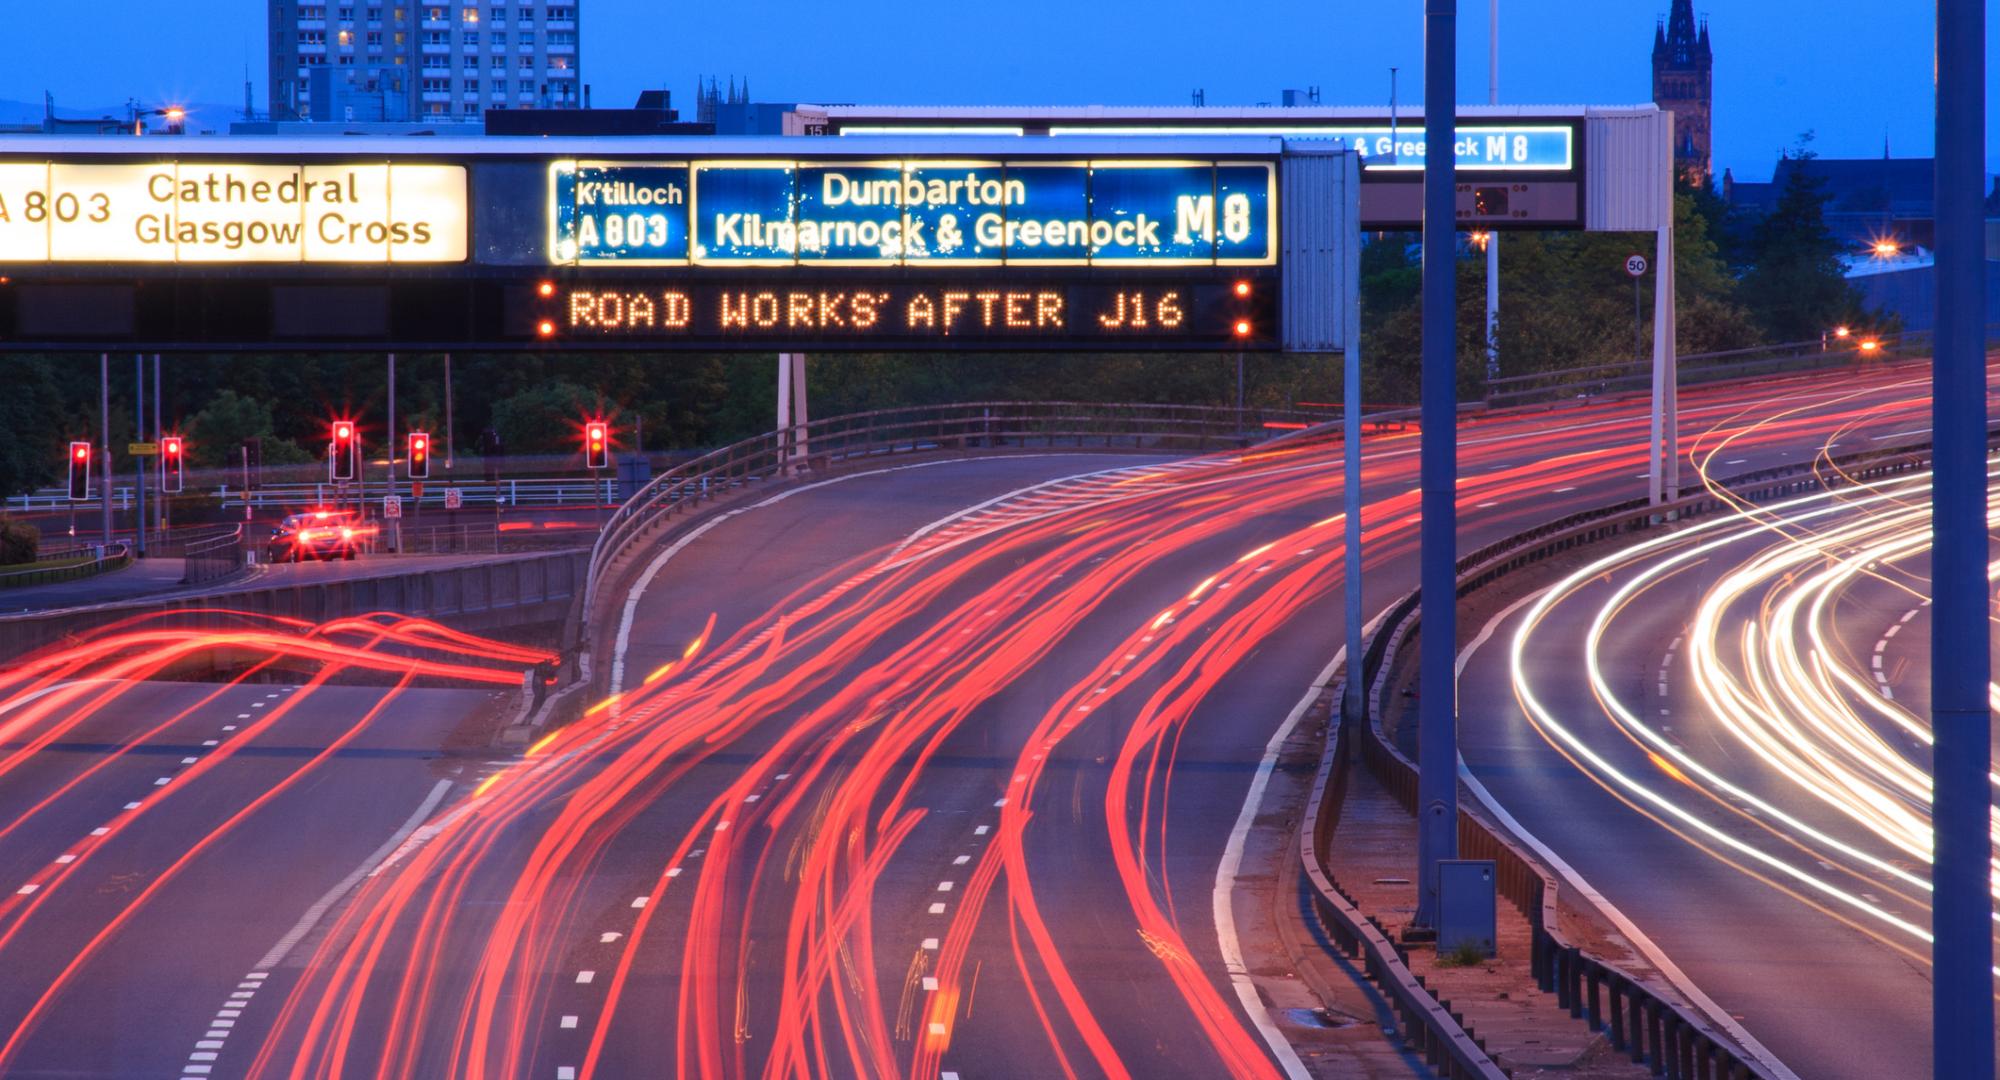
(597, 445)
(420, 455)
(344, 450)
(79, 471)
(171, 480)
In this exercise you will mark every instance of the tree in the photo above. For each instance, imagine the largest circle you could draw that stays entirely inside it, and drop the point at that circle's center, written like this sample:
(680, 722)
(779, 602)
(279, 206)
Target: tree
(1794, 285)
(548, 419)
(220, 428)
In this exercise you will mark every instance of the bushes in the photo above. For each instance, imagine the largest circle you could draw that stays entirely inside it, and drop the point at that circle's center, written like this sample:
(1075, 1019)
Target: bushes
(19, 541)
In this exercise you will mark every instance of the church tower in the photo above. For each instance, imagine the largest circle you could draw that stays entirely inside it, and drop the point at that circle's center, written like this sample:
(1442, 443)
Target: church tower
(1683, 82)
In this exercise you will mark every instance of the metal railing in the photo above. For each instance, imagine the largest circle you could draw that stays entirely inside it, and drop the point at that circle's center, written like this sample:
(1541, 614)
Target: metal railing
(1629, 376)
(1428, 1024)
(1674, 1041)
(213, 558)
(111, 557)
(830, 445)
(581, 491)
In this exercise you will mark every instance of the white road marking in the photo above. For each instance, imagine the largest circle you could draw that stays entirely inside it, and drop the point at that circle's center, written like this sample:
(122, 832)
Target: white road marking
(584, 977)
(568, 1022)
(1624, 925)
(937, 909)
(640, 901)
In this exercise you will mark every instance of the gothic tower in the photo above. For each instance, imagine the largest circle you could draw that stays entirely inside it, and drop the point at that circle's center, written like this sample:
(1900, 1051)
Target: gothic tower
(1683, 82)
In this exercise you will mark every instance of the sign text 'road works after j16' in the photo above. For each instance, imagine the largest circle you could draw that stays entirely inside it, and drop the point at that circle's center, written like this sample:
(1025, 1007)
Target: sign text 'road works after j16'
(915, 213)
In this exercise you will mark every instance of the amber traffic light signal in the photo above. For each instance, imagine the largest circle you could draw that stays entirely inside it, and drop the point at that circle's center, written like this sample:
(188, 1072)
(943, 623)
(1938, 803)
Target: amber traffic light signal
(420, 455)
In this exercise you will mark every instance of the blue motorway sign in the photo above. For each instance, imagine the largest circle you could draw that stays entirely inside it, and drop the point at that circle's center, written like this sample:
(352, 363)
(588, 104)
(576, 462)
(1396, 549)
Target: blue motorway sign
(913, 213)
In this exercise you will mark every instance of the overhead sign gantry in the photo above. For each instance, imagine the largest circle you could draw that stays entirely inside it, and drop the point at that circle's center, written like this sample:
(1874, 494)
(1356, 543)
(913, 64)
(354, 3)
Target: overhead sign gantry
(694, 243)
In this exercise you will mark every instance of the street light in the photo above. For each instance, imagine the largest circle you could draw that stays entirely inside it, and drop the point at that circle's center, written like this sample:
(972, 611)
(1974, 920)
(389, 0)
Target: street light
(1887, 248)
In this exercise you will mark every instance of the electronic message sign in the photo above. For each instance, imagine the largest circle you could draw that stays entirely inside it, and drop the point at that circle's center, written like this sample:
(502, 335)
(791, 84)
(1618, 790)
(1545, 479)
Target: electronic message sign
(874, 310)
(913, 213)
(231, 212)
(502, 245)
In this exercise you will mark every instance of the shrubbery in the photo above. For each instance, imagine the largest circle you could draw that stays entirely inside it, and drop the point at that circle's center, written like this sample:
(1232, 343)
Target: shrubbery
(19, 541)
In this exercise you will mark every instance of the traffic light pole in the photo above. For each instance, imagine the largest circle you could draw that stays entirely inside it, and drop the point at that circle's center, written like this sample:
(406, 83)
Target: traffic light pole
(139, 460)
(389, 492)
(1437, 706)
(159, 504)
(1961, 663)
(104, 431)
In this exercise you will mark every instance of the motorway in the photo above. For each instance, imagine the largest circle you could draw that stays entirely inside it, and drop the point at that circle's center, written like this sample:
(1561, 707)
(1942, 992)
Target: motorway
(1754, 728)
(931, 770)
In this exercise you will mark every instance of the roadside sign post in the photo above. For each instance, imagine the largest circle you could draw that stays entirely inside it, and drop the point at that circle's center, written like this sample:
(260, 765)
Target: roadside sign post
(1635, 268)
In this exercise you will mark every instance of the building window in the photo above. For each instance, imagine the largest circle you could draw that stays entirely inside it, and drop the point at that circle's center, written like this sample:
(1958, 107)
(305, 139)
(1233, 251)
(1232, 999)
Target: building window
(347, 14)
(437, 86)
(374, 39)
(347, 59)
(374, 14)
(527, 63)
(312, 37)
(399, 37)
(559, 63)
(528, 41)
(471, 37)
(562, 37)
(500, 39)
(435, 14)
(471, 108)
(346, 39)
(437, 63)
(561, 14)
(437, 37)
(470, 15)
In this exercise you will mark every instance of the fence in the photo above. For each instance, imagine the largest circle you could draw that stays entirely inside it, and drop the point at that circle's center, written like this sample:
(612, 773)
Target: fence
(1630, 376)
(111, 557)
(213, 558)
(1673, 1041)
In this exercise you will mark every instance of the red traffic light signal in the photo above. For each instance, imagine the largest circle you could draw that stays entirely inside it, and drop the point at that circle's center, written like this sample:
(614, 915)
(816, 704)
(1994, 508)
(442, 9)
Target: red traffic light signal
(597, 445)
(171, 476)
(420, 455)
(345, 451)
(79, 470)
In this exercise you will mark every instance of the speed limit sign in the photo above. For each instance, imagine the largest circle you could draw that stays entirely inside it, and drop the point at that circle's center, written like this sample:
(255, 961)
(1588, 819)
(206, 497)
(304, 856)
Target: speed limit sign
(1635, 265)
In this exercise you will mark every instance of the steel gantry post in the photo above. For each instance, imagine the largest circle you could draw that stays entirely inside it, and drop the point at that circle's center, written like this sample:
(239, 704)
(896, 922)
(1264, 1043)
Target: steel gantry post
(1961, 665)
(1437, 706)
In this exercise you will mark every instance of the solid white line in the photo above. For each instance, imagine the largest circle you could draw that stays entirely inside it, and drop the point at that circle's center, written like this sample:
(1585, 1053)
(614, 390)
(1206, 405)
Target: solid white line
(319, 909)
(1653, 953)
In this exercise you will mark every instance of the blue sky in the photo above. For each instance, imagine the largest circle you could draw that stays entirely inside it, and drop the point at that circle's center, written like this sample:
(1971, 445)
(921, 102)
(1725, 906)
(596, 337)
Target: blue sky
(1854, 71)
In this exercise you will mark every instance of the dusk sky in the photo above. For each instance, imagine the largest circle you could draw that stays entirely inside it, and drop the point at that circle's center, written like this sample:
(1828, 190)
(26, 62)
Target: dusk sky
(1854, 71)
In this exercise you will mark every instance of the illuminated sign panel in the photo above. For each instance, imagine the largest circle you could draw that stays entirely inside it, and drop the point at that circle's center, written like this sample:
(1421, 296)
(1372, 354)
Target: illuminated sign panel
(1480, 147)
(918, 213)
(232, 212)
(989, 309)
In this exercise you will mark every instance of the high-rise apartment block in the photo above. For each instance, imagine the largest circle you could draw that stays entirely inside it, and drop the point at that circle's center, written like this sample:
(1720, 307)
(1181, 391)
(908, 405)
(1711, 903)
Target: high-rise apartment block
(444, 60)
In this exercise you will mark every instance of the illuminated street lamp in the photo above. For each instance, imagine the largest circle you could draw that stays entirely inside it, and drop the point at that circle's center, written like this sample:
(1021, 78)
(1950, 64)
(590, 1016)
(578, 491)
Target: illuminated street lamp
(1886, 248)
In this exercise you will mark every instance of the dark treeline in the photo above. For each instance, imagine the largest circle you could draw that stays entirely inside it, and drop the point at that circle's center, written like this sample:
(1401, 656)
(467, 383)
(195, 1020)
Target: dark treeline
(1565, 302)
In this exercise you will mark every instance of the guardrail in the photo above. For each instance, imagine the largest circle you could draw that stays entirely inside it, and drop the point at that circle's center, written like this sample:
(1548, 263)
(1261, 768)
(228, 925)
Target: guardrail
(1652, 1030)
(1428, 1025)
(214, 558)
(117, 554)
(1626, 376)
(579, 491)
(493, 538)
(826, 446)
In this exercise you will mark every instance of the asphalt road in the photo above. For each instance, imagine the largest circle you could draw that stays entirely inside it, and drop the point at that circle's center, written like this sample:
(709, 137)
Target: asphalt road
(1747, 778)
(903, 779)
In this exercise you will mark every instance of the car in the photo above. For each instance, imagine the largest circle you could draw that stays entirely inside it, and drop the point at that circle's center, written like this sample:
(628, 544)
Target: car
(315, 534)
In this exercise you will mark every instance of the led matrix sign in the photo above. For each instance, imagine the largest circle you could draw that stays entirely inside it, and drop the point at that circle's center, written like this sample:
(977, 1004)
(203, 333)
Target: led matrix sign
(220, 212)
(991, 309)
(915, 213)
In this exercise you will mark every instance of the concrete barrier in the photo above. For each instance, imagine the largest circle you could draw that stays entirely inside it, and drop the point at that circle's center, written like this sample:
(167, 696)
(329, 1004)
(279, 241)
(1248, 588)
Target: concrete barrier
(493, 593)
